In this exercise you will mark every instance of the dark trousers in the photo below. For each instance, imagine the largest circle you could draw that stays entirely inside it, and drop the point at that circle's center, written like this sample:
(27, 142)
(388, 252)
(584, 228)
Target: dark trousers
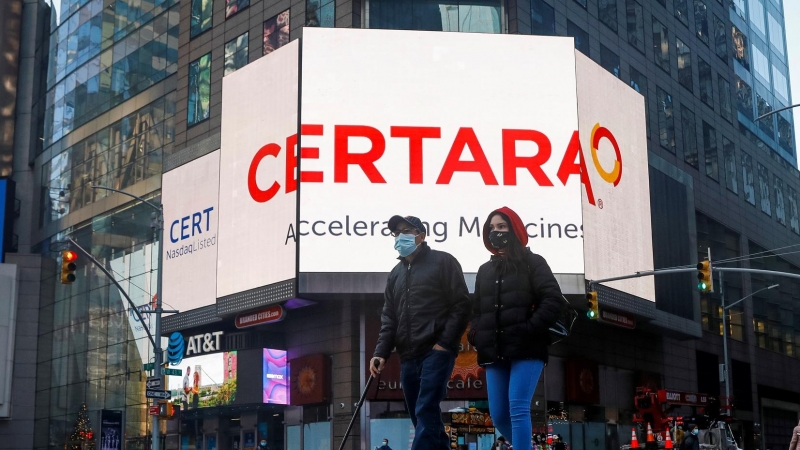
(424, 381)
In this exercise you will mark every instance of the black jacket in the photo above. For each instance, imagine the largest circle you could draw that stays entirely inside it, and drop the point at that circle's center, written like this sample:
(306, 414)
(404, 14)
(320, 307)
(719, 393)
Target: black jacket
(426, 303)
(690, 442)
(511, 313)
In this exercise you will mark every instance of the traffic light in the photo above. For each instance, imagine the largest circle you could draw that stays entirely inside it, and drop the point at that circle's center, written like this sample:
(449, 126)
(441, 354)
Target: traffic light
(704, 281)
(165, 409)
(68, 266)
(593, 313)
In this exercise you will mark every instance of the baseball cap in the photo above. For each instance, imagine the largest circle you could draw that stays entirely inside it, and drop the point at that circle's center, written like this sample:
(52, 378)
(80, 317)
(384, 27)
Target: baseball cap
(411, 220)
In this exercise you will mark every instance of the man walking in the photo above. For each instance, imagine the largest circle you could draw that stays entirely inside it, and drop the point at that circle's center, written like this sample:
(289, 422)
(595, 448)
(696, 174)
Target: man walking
(691, 442)
(425, 312)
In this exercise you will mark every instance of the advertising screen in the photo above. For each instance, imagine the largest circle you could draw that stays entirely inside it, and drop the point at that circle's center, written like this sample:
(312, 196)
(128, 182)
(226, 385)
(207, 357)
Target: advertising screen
(442, 126)
(276, 377)
(191, 211)
(258, 193)
(208, 380)
(616, 196)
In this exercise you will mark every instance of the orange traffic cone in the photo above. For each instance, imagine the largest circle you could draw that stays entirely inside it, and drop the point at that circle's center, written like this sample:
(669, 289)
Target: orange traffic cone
(668, 444)
(650, 437)
(634, 439)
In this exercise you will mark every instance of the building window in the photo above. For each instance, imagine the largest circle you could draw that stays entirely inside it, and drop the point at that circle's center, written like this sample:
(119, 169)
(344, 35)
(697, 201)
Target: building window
(780, 206)
(543, 18)
(199, 90)
(663, 3)
(763, 189)
(635, 19)
(785, 134)
(729, 156)
(720, 39)
(581, 37)
(607, 10)
(639, 83)
(276, 32)
(234, 6)
(710, 151)
(609, 60)
(581, 2)
(706, 85)
(744, 98)
(740, 52)
(738, 6)
(701, 20)
(780, 84)
(748, 179)
(760, 64)
(757, 16)
(482, 16)
(776, 35)
(794, 215)
(322, 13)
(767, 124)
(666, 121)
(236, 53)
(684, 65)
(725, 99)
(689, 137)
(661, 45)
(201, 16)
(682, 11)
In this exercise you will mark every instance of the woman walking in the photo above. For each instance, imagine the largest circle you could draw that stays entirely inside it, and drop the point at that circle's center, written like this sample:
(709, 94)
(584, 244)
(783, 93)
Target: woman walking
(517, 299)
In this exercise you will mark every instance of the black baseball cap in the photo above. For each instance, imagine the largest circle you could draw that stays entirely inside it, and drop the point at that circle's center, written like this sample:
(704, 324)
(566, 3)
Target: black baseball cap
(411, 220)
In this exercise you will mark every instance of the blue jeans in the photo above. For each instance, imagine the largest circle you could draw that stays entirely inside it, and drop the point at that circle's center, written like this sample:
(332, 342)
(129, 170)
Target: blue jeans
(511, 386)
(424, 381)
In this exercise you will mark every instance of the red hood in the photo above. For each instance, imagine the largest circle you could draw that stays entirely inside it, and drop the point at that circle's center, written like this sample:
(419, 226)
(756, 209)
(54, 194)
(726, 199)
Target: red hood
(516, 226)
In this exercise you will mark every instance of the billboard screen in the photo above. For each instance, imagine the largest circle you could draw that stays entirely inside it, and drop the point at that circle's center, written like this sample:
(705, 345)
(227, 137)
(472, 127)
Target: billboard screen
(258, 193)
(276, 377)
(442, 126)
(208, 380)
(616, 196)
(191, 212)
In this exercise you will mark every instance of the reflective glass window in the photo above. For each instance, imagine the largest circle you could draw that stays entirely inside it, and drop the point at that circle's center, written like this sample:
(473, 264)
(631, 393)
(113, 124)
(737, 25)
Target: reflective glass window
(744, 98)
(739, 7)
(785, 133)
(661, 45)
(706, 84)
(760, 64)
(757, 16)
(764, 106)
(682, 11)
(635, 21)
(684, 64)
(776, 35)
(729, 158)
(780, 84)
(763, 189)
(748, 179)
(543, 19)
(276, 32)
(701, 21)
(710, 151)
(437, 15)
(198, 108)
(780, 204)
(720, 39)
(581, 37)
(609, 60)
(201, 16)
(322, 13)
(666, 121)
(581, 2)
(794, 216)
(688, 123)
(607, 10)
(234, 6)
(236, 53)
(740, 48)
(725, 99)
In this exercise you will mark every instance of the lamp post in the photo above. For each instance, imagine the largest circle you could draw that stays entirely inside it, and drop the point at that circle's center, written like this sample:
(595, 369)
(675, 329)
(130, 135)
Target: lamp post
(776, 111)
(725, 308)
(158, 227)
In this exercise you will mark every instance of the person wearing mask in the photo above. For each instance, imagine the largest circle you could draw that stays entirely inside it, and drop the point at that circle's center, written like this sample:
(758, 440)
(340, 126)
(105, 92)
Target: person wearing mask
(691, 441)
(385, 445)
(559, 443)
(795, 443)
(425, 312)
(517, 299)
(263, 445)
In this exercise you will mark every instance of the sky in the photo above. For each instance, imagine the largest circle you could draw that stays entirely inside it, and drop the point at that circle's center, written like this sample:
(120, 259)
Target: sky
(791, 11)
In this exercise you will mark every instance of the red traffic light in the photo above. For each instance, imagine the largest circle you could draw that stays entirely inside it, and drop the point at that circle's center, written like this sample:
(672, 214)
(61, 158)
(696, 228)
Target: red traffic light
(69, 256)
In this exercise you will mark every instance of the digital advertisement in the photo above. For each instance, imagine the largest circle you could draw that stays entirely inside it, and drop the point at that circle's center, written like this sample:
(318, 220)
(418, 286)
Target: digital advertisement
(276, 377)
(208, 380)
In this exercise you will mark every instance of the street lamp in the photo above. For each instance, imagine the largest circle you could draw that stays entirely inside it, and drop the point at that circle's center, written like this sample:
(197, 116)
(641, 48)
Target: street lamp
(774, 112)
(158, 227)
(725, 308)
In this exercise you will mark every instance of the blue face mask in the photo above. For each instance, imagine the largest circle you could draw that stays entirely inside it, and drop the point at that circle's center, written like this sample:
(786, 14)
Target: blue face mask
(405, 244)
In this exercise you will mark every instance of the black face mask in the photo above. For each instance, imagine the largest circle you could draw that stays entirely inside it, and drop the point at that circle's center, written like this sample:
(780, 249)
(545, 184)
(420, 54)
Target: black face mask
(499, 239)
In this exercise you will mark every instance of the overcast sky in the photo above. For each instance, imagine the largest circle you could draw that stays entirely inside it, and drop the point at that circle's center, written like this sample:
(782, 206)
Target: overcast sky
(791, 11)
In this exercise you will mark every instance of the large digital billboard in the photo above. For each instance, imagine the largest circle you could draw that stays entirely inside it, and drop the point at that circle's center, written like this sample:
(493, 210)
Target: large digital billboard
(191, 211)
(275, 385)
(208, 380)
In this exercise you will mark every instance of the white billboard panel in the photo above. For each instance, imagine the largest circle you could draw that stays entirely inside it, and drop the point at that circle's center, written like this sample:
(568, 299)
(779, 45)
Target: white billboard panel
(616, 198)
(258, 193)
(191, 214)
(443, 126)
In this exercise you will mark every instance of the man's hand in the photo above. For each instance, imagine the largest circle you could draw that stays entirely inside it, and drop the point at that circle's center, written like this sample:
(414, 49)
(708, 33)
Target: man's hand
(375, 369)
(439, 348)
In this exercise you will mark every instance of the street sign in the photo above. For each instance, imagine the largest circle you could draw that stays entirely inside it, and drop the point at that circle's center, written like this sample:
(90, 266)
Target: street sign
(154, 410)
(148, 366)
(175, 372)
(619, 319)
(165, 395)
(154, 383)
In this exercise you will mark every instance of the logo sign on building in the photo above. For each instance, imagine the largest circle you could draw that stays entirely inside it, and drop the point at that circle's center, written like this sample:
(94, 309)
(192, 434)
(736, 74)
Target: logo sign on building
(191, 214)
(175, 348)
(271, 314)
(682, 398)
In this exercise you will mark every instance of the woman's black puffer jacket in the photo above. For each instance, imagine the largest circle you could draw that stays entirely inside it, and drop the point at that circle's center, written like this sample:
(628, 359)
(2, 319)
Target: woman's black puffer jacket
(511, 312)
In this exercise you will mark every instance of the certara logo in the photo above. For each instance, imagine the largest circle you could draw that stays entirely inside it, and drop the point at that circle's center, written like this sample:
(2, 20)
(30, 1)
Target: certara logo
(571, 164)
(175, 349)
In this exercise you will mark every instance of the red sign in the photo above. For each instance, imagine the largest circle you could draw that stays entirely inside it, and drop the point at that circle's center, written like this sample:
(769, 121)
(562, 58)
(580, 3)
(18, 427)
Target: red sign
(271, 314)
(618, 319)
(682, 398)
(154, 410)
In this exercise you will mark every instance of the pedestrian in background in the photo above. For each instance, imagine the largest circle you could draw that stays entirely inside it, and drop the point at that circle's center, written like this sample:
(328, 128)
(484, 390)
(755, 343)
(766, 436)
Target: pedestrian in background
(517, 299)
(795, 444)
(425, 312)
(691, 441)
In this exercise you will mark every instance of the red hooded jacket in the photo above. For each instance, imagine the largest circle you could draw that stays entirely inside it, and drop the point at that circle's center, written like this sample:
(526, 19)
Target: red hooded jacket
(516, 226)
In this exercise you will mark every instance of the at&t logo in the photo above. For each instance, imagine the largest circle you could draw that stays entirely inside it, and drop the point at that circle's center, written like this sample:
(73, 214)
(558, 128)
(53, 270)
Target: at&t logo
(175, 349)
